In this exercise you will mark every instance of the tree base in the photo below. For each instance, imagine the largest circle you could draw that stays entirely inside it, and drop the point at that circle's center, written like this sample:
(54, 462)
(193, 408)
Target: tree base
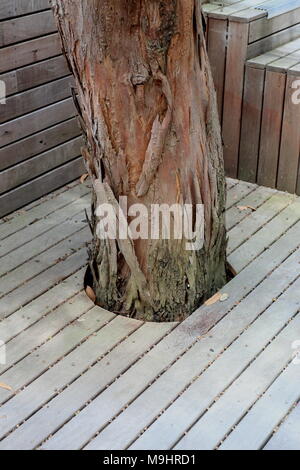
(159, 317)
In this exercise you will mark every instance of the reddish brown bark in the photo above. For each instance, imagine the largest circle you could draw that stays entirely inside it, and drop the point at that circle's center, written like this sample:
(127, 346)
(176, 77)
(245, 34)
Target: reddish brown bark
(149, 114)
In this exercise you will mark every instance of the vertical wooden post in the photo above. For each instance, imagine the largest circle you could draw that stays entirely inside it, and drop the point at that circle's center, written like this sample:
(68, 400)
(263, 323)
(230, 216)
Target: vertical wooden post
(251, 123)
(217, 38)
(290, 141)
(233, 94)
(271, 128)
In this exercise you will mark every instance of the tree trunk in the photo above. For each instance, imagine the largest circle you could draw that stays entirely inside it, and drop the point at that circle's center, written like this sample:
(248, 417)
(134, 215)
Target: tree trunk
(148, 110)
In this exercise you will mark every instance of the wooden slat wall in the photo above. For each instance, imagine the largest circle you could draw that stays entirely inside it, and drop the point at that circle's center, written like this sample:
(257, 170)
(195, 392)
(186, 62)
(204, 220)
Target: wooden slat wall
(39, 135)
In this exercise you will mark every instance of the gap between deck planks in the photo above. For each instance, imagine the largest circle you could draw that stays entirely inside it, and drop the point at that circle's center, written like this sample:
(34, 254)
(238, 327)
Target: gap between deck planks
(75, 368)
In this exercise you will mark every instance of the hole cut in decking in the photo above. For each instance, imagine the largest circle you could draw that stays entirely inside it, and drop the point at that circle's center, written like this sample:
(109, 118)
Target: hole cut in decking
(88, 287)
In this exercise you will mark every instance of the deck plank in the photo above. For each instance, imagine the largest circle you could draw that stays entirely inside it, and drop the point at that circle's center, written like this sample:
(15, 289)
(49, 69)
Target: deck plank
(288, 435)
(47, 240)
(270, 232)
(25, 364)
(238, 192)
(224, 368)
(258, 425)
(76, 367)
(43, 305)
(86, 387)
(22, 219)
(39, 228)
(242, 394)
(21, 296)
(113, 400)
(44, 261)
(254, 200)
(257, 219)
(159, 396)
(99, 342)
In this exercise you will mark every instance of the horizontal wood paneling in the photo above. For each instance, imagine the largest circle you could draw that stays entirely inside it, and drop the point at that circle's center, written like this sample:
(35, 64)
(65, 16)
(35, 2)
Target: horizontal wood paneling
(13, 8)
(40, 164)
(37, 143)
(35, 74)
(38, 187)
(40, 139)
(26, 53)
(36, 98)
(27, 27)
(36, 121)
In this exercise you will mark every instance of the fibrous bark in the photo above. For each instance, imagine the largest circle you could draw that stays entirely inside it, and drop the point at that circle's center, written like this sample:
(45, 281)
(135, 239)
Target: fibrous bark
(148, 110)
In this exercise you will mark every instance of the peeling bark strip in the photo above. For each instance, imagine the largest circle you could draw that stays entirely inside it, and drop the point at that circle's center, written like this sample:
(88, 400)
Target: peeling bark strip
(148, 111)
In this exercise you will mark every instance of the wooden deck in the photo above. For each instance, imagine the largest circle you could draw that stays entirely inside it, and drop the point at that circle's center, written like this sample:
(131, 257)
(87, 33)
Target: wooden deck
(82, 378)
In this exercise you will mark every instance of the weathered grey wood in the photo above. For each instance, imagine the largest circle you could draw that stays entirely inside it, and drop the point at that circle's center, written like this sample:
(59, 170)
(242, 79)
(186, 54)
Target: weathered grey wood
(258, 425)
(38, 143)
(276, 8)
(239, 8)
(26, 27)
(21, 296)
(273, 54)
(238, 192)
(35, 214)
(42, 185)
(12, 8)
(62, 407)
(273, 41)
(46, 386)
(232, 405)
(230, 182)
(74, 238)
(288, 435)
(203, 391)
(36, 98)
(248, 15)
(39, 237)
(34, 75)
(36, 166)
(49, 308)
(257, 219)
(13, 57)
(85, 425)
(45, 198)
(239, 212)
(42, 306)
(285, 63)
(60, 321)
(225, 367)
(266, 26)
(36, 121)
(265, 236)
(37, 89)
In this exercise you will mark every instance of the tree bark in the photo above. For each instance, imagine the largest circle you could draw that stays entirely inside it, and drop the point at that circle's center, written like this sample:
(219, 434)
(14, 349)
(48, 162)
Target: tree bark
(148, 110)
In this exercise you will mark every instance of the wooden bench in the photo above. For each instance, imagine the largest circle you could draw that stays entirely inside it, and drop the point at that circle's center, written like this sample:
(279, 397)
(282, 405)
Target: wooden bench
(270, 130)
(237, 32)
